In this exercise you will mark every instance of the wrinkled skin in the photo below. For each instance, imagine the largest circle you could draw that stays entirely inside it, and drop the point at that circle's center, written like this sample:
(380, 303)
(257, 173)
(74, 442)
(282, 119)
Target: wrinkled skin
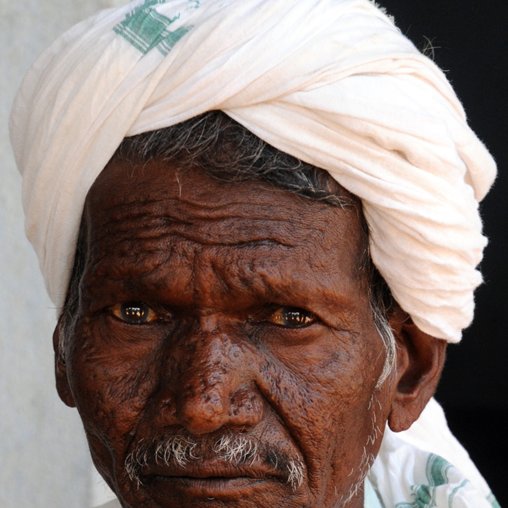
(220, 267)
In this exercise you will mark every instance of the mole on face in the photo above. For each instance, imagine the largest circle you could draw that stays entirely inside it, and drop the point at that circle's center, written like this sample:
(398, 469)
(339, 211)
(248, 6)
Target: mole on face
(225, 353)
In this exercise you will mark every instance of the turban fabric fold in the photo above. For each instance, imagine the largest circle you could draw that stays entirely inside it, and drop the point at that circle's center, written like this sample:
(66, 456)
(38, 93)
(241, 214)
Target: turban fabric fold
(332, 82)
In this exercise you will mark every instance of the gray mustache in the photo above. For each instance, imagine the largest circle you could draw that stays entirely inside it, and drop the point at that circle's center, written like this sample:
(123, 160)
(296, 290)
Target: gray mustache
(181, 450)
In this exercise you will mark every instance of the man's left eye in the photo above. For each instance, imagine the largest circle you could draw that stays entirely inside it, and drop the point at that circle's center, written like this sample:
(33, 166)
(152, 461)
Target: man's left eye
(134, 313)
(292, 317)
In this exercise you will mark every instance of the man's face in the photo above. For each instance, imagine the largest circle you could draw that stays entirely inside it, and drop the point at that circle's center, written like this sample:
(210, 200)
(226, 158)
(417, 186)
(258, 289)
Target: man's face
(225, 353)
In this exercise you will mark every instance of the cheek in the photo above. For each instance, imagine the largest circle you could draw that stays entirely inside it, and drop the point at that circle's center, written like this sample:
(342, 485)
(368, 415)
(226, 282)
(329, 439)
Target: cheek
(112, 376)
(325, 395)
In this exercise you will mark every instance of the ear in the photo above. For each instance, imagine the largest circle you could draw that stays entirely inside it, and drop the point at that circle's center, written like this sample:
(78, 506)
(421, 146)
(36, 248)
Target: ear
(62, 383)
(420, 361)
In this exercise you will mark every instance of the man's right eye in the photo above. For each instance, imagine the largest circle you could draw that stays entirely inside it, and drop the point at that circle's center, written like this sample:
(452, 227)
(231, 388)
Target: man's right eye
(134, 313)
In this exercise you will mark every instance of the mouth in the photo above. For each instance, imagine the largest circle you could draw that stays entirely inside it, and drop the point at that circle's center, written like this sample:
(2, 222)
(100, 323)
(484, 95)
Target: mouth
(206, 482)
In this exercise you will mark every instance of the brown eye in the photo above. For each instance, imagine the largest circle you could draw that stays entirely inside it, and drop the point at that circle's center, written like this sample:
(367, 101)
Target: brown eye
(292, 317)
(134, 313)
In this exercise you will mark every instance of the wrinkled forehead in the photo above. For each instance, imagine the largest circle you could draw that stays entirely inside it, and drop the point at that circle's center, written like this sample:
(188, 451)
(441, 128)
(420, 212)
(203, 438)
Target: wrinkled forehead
(129, 199)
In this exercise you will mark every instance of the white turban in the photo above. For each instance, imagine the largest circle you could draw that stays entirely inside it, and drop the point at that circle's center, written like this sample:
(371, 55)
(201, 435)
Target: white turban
(332, 82)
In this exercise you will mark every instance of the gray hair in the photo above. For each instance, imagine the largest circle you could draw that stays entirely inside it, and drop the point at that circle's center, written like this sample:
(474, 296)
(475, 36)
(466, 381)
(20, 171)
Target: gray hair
(227, 151)
(180, 450)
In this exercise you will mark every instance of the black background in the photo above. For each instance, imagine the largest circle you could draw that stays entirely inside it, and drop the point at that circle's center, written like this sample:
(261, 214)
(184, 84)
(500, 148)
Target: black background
(471, 40)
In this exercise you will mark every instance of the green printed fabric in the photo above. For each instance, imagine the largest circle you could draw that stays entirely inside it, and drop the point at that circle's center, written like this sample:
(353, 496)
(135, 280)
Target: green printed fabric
(145, 28)
(407, 477)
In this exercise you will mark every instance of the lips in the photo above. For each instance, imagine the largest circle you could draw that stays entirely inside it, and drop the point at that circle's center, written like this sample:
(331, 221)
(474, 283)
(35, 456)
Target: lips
(206, 480)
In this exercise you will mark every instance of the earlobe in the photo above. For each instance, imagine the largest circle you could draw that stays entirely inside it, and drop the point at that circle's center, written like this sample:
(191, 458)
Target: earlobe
(420, 361)
(62, 383)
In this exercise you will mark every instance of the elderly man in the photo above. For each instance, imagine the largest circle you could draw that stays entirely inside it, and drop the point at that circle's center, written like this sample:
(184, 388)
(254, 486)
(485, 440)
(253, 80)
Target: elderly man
(260, 224)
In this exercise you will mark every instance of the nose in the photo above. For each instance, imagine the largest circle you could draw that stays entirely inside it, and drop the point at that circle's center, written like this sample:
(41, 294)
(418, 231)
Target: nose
(217, 387)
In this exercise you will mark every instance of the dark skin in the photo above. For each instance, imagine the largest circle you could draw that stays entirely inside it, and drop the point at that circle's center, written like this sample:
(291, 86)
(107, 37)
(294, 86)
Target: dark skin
(209, 308)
